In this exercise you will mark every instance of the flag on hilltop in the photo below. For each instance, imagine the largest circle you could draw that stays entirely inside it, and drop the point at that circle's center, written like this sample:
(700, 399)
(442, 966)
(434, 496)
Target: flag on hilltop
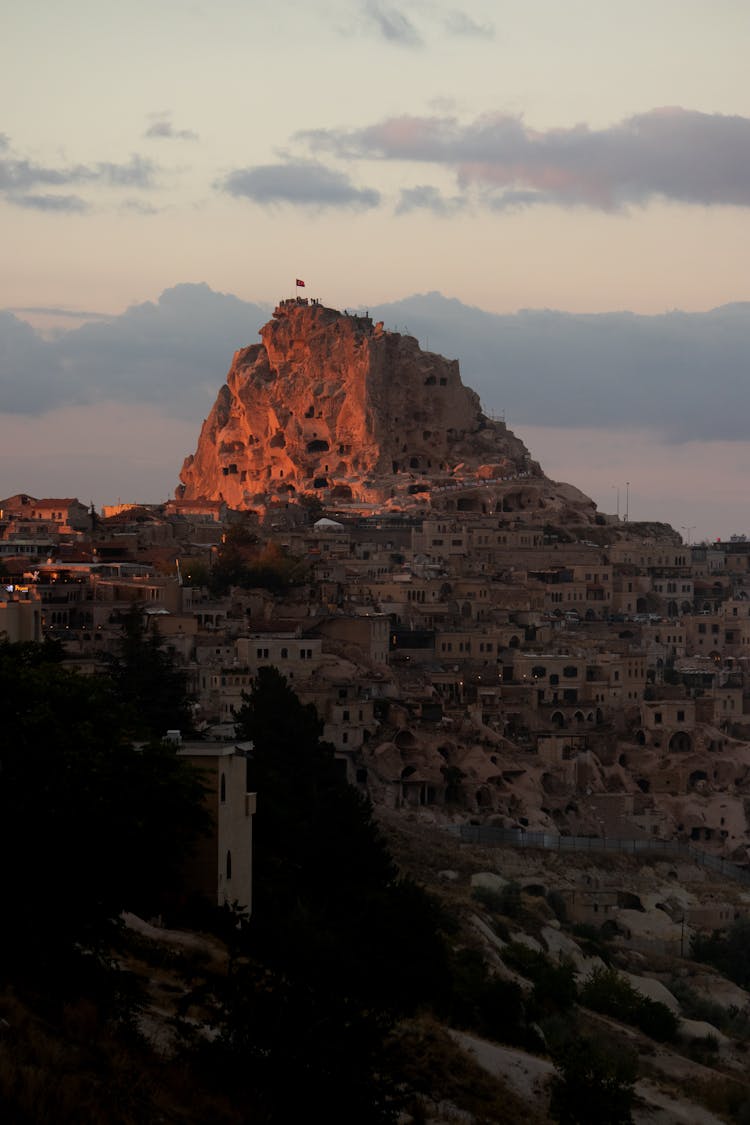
(300, 284)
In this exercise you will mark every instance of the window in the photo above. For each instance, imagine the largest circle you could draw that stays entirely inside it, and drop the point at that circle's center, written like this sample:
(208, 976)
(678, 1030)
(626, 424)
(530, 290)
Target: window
(223, 789)
(680, 716)
(345, 716)
(284, 653)
(657, 716)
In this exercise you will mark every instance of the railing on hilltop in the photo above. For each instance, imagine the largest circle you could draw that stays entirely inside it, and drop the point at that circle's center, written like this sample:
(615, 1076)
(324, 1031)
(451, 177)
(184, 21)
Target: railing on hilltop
(489, 836)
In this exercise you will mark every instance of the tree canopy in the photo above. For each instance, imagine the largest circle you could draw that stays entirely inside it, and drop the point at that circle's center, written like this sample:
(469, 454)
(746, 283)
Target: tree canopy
(89, 825)
(339, 943)
(243, 561)
(148, 684)
(325, 886)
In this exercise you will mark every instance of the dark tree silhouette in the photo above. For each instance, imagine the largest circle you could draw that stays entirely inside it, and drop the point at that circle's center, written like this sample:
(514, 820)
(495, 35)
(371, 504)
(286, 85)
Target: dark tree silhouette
(147, 680)
(89, 826)
(339, 943)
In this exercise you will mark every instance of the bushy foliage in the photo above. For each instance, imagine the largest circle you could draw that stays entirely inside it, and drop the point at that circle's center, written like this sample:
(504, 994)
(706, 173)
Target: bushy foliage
(728, 952)
(506, 900)
(290, 1041)
(593, 1086)
(608, 992)
(339, 944)
(592, 941)
(558, 906)
(243, 561)
(555, 988)
(149, 686)
(696, 1006)
(482, 1001)
(89, 826)
(488, 897)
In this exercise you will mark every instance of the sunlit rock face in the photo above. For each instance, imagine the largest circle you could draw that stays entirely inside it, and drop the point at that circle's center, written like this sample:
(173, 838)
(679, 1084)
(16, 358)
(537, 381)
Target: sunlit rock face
(332, 404)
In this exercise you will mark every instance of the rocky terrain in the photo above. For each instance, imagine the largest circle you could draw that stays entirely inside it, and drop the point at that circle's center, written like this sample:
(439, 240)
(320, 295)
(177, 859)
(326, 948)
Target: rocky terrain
(511, 897)
(332, 405)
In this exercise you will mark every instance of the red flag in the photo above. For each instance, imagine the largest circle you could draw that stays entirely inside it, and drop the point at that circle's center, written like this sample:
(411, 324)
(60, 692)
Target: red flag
(300, 284)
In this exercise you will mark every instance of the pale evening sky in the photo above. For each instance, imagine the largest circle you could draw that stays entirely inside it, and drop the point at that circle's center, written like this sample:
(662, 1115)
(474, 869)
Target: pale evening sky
(581, 156)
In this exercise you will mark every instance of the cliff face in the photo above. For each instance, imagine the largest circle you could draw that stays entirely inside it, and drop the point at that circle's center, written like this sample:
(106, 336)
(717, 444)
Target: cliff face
(333, 405)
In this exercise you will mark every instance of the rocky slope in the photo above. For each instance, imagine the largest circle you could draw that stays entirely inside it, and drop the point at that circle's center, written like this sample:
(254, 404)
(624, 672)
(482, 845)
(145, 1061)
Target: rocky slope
(332, 404)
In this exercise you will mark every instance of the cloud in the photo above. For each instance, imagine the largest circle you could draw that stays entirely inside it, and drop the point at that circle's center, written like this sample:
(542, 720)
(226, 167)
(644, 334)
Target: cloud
(138, 207)
(138, 172)
(163, 129)
(681, 374)
(304, 183)
(659, 401)
(460, 23)
(172, 353)
(391, 24)
(60, 311)
(20, 177)
(428, 198)
(670, 153)
(70, 204)
(31, 375)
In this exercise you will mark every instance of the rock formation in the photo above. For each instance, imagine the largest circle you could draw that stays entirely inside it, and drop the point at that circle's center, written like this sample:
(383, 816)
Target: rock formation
(332, 404)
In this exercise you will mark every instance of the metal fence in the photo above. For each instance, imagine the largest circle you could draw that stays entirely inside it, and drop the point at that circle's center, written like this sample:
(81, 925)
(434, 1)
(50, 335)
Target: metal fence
(489, 836)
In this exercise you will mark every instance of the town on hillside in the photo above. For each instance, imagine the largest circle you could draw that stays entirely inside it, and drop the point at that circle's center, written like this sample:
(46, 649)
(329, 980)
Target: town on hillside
(480, 643)
(484, 667)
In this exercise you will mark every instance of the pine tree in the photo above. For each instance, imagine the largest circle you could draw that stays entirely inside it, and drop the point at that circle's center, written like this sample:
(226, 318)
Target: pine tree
(339, 945)
(147, 680)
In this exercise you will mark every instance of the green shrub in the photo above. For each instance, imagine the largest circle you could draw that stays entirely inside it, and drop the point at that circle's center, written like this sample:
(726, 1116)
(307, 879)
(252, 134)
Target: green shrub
(505, 901)
(511, 900)
(592, 1086)
(593, 942)
(611, 994)
(488, 897)
(555, 988)
(483, 1002)
(656, 1020)
(729, 952)
(703, 1048)
(556, 903)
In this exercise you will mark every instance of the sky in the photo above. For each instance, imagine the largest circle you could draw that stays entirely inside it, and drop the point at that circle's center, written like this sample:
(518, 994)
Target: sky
(582, 157)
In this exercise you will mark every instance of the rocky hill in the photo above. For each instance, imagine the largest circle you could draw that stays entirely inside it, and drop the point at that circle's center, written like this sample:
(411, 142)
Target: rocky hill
(331, 404)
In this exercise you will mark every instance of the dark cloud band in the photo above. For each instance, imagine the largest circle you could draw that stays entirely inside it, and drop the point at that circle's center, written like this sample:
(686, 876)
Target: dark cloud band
(669, 153)
(21, 179)
(306, 184)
